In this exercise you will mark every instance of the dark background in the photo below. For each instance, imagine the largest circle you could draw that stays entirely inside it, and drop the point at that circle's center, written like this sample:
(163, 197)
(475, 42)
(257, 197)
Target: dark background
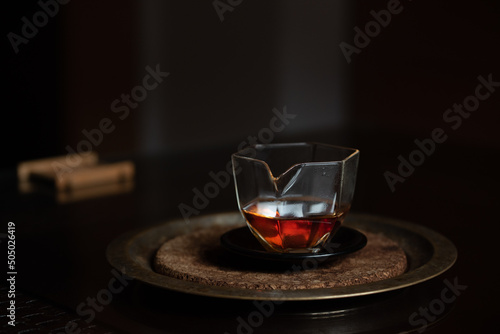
(225, 79)
(227, 76)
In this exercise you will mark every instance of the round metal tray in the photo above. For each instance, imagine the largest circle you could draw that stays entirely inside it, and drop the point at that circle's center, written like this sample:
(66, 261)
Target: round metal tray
(428, 253)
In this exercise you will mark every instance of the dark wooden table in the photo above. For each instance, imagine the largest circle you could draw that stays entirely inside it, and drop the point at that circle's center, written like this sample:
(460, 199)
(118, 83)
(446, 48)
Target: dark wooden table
(63, 276)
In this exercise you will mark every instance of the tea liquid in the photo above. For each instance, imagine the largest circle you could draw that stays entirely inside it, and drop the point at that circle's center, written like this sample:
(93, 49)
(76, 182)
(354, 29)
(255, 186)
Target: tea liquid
(297, 224)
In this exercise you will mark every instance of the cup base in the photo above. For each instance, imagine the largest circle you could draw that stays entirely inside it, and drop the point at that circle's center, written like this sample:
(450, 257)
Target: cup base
(242, 243)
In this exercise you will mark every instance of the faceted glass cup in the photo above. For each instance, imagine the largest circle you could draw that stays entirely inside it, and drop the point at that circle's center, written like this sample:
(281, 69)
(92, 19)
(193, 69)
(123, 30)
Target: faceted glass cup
(294, 196)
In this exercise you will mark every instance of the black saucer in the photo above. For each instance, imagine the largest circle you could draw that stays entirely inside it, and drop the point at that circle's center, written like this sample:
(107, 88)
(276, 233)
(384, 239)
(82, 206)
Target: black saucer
(240, 241)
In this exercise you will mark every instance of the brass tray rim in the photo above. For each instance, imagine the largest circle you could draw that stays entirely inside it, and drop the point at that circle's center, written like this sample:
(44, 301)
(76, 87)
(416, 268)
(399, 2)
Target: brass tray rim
(118, 254)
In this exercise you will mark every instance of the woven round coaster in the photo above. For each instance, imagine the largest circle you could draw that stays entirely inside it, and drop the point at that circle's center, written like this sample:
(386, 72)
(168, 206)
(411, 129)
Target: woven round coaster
(198, 257)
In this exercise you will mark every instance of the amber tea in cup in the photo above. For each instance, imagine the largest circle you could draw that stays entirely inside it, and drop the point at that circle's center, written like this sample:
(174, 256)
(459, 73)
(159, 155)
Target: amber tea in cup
(304, 205)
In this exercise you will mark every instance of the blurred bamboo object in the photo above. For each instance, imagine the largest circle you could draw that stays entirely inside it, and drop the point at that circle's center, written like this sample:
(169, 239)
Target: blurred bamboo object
(64, 197)
(48, 165)
(85, 177)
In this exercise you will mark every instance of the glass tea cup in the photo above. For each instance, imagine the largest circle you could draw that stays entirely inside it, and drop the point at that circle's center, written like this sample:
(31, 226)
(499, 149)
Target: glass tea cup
(294, 196)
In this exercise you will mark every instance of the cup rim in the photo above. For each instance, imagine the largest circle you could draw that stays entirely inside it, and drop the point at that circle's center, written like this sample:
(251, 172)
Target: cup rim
(355, 152)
